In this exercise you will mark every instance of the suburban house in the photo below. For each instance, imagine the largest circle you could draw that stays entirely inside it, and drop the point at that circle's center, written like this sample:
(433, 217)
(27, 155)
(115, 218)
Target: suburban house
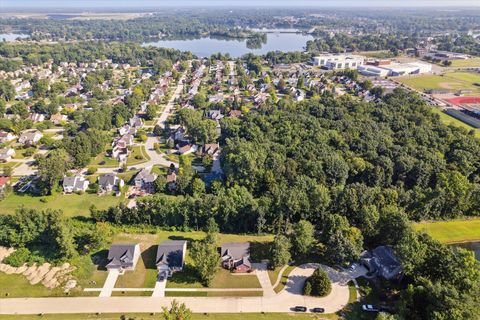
(170, 257)
(383, 262)
(6, 154)
(6, 136)
(235, 256)
(136, 122)
(186, 149)
(110, 182)
(171, 181)
(123, 256)
(75, 184)
(4, 181)
(36, 117)
(145, 180)
(30, 137)
(211, 149)
(120, 153)
(58, 118)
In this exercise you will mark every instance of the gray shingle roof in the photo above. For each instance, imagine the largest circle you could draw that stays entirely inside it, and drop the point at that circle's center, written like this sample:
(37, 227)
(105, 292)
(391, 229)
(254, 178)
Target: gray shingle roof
(171, 253)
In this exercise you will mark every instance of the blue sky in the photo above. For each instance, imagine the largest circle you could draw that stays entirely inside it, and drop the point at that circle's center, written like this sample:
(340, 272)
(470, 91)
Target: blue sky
(213, 3)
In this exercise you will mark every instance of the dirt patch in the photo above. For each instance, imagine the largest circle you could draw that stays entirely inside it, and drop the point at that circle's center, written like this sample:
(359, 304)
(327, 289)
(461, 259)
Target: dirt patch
(445, 85)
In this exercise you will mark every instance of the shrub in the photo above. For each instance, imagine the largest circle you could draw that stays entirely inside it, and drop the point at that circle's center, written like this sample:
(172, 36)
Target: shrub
(91, 170)
(318, 284)
(18, 258)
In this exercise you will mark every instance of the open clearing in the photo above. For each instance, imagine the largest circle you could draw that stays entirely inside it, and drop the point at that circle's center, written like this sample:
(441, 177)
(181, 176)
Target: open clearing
(451, 231)
(72, 204)
(450, 81)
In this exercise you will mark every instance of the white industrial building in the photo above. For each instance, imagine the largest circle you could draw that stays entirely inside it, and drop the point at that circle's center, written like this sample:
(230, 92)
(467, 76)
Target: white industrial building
(338, 61)
(395, 69)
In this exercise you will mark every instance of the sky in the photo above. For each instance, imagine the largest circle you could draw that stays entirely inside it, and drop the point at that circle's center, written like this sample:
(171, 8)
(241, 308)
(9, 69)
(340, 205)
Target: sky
(117, 4)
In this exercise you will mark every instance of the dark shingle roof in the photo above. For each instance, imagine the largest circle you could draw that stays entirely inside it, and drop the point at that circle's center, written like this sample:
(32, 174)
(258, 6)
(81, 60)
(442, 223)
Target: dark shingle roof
(171, 253)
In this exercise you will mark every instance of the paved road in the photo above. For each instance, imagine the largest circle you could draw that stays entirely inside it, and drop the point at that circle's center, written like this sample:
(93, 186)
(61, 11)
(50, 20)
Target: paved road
(282, 302)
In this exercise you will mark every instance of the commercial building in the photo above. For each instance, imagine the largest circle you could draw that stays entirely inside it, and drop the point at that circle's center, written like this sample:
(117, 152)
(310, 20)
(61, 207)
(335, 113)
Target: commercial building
(393, 70)
(338, 61)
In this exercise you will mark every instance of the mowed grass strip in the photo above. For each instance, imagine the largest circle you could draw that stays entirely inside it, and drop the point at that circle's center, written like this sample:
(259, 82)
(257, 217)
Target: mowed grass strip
(451, 231)
(450, 81)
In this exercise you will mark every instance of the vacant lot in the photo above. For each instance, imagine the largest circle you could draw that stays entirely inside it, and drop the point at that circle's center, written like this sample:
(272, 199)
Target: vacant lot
(452, 231)
(72, 204)
(450, 81)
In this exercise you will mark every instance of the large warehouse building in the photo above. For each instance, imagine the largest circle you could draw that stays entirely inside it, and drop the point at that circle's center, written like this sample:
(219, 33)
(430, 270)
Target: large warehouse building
(393, 70)
(338, 61)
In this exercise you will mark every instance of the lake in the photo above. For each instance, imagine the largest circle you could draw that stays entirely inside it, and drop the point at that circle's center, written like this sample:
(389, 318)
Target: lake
(205, 47)
(472, 246)
(9, 37)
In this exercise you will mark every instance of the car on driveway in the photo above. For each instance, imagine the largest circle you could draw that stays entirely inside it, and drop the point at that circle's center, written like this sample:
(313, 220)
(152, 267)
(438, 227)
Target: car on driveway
(318, 310)
(300, 309)
(369, 308)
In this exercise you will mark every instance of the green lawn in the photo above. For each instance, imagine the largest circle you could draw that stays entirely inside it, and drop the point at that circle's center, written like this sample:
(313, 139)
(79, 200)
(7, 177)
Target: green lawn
(72, 205)
(449, 120)
(284, 279)
(15, 285)
(226, 279)
(150, 316)
(473, 62)
(102, 160)
(450, 81)
(452, 231)
(137, 152)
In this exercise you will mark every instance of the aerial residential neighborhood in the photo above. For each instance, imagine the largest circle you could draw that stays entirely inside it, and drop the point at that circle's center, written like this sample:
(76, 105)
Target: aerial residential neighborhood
(239, 160)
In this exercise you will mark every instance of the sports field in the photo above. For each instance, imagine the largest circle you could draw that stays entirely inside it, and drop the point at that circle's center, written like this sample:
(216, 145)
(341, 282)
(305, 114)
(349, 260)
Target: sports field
(452, 231)
(450, 81)
(467, 63)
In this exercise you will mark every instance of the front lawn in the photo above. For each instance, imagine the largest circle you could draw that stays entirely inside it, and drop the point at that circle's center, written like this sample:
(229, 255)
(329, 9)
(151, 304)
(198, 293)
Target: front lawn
(451, 231)
(16, 285)
(137, 155)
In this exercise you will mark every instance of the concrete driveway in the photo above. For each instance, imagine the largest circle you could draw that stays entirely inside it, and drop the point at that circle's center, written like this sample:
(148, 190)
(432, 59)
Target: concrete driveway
(282, 302)
(109, 283)
(159, 290)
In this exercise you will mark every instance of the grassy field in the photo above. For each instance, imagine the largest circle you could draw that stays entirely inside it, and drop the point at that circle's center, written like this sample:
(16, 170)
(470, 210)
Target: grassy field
(15, 285)
(72, 204)
(450, 81)
(449, 120)
(473, 62)
(452, 231)
(149, 316)
(141, 153)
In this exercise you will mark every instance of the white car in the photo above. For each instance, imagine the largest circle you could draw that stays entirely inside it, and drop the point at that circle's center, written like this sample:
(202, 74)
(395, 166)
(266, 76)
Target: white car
(369, 307)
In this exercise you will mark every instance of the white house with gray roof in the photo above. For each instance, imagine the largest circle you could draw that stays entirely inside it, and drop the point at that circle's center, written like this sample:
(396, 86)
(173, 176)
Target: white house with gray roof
(170, 257)
(123, 256)
(74, 184)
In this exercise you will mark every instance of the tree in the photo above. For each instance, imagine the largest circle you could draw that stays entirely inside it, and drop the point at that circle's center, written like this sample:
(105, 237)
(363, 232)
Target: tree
(176, 312)
(204, 254)
(7, 90)
(151, 112)
(40, 88)
(303, 237)
(280, 252)
(52, 168)
(160, 184)
(318, 284)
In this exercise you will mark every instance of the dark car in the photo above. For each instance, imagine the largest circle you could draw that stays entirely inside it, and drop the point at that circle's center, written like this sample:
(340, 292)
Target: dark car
(300, 309)
(318, 310)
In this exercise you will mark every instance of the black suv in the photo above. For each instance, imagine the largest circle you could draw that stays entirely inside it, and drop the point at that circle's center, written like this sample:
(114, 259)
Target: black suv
(318, 310)
(300, 309)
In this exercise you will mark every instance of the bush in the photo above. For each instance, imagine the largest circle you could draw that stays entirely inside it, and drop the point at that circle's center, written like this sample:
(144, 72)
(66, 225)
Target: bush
(91, 170)
(318, 284)
(18, 258)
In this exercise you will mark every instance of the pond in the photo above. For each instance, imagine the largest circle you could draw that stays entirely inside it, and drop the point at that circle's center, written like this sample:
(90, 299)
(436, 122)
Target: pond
(205, 47)
(472, 246)
(9, 37)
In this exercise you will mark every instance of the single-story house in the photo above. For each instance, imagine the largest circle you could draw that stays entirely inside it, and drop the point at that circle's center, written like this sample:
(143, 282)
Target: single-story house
(382, 262)
(57, 118)
(74, 184)
(170, 257)
(30, 137)
(6, 154)
(36, 117)
(123, 256)
(235, 256)
(110, 182)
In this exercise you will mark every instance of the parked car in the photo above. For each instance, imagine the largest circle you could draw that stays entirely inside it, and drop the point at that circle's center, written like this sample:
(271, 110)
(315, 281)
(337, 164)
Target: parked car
(369, 307)
(318, 310)
(300, 309)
